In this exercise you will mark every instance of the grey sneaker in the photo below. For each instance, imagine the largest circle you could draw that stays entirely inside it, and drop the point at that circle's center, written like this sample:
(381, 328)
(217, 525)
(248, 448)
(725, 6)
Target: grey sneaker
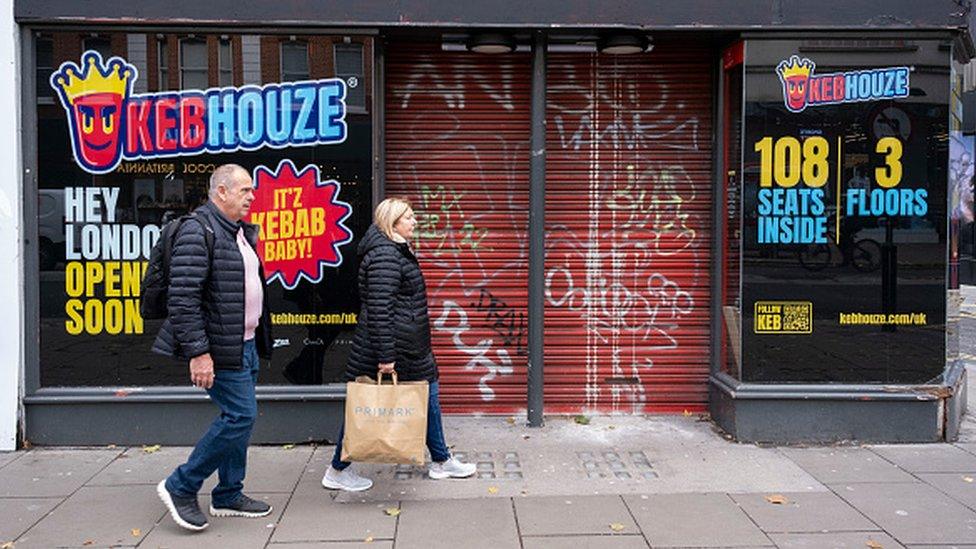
(185, 511)
(452, 468)
(243, 507)
(346, 480)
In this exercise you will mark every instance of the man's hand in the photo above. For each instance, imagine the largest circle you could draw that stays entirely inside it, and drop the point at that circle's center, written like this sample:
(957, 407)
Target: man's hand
(387, 367)
(202, 371)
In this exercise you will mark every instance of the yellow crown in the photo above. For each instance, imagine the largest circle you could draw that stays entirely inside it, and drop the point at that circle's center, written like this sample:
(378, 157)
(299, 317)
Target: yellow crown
(75, 83)
(795, 67)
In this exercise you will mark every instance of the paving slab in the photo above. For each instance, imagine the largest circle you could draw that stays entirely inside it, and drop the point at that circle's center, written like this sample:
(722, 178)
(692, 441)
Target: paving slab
(98, 516)
(959, 486)
(269, 468)
(314, 516)
(803, 512)
(236, 532)
(19, 514)
(967, 446)
(137, 466)
(469, 523)
(572, 515)
(694, 520)
(942, 547)
(928, 458)
(335, 545)
(49, 473)
(835, 540)
(7, 457)
(846, 465)
(585, 542)
(912, 513)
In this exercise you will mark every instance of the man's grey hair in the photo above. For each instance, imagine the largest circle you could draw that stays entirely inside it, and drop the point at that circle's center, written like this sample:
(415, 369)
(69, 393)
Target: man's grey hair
(227, 175)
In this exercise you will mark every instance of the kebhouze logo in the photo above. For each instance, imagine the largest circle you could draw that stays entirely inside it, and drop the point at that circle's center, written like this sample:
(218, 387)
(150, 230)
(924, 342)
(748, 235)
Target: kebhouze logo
(802, 88)
(109, 124)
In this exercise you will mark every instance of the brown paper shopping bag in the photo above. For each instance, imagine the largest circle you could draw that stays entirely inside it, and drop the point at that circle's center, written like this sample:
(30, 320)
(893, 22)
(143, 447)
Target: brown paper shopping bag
(385, 422)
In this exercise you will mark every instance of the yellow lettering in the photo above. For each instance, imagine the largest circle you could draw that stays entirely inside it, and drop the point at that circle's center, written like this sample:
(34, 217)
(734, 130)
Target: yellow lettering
(75, 324)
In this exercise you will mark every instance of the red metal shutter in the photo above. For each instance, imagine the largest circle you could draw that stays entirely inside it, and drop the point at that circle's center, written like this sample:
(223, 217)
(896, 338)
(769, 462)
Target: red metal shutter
(457, 140)
(628, 231)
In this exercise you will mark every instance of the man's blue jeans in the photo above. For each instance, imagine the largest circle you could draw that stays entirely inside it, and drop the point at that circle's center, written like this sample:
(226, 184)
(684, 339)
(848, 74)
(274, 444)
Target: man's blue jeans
(224, 447)
(435, 433)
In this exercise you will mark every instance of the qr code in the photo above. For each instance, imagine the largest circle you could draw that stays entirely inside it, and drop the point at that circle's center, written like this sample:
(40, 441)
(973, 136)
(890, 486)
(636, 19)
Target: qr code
(796, 317)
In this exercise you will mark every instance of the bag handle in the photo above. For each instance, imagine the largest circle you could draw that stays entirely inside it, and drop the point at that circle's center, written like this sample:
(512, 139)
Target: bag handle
(379, 377)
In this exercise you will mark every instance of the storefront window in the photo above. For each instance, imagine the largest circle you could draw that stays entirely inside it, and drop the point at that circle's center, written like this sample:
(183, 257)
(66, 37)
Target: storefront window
(111, 172)
(844, 208)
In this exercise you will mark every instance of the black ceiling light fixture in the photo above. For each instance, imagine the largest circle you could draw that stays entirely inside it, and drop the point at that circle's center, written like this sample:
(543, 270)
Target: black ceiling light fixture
(624, 44)
(491, 42)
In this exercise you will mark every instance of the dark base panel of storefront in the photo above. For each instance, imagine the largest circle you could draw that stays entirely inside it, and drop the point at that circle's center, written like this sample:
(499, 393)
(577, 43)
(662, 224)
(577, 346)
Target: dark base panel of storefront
(174, 423)
(796, 415)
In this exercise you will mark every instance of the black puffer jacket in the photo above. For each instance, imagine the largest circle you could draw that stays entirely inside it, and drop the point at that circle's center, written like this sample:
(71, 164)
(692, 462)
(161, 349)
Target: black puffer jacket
(206, 310)
(393, 321)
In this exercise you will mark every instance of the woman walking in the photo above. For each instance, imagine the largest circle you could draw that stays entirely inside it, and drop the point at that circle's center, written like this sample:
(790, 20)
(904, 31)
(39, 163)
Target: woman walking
(393, 334)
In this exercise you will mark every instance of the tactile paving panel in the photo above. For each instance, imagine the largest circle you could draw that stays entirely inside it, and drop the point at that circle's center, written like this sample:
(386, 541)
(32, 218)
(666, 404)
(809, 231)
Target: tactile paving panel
(616, 464)
(498, 465)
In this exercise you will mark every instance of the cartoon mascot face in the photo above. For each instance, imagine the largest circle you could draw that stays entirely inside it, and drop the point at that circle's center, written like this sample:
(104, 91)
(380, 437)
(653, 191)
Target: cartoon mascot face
(795, 75)
(93, 98)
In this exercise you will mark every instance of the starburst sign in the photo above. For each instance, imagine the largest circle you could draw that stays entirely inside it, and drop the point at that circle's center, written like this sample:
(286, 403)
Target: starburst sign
(301, 221)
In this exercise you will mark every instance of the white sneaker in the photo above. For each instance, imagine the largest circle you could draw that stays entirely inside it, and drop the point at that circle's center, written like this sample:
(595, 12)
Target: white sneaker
(346, 480)
(452, 468)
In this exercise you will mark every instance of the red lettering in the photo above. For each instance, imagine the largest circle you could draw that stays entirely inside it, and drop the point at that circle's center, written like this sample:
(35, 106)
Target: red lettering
(192, 134)
(813, 96)
(839, 90)
(825, 89)
(137, 134)
(164, 108)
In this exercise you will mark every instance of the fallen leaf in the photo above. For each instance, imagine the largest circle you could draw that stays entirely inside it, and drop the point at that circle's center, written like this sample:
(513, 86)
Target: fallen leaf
(686, 413)
(288, 446)
(510, 420)
(525, 437)
(776, 499)
(136, 532)
(611, 427)
(7, 545)
(616, 526)
(582, 420)
(369, 539)
(88, 542)
(110, 447)
(492, 489)
(967, 479)
(151, 449)
(873, 544)
(392, 511)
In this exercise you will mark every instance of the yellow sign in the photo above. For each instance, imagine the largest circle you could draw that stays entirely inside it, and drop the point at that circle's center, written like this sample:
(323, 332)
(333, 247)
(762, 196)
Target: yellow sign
(783, 317)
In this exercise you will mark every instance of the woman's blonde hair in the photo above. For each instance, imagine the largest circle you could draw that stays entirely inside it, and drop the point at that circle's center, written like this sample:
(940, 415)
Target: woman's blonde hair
(388, 212)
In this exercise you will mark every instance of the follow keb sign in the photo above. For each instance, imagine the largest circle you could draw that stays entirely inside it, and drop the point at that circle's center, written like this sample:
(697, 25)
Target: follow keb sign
(108, 123)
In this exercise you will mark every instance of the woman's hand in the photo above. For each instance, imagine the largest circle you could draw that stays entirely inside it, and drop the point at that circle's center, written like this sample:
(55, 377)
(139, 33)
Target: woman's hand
(387, 367)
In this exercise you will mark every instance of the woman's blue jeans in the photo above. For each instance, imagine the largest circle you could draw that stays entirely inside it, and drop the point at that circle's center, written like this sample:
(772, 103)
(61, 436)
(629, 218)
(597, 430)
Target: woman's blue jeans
(435, 433)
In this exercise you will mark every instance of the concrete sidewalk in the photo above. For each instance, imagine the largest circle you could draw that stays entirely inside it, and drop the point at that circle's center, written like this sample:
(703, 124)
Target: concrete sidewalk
(621, 481)
(617, 482)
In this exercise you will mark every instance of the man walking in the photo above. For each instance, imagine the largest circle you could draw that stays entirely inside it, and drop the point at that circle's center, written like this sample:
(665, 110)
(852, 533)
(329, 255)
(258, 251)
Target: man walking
(218, 320)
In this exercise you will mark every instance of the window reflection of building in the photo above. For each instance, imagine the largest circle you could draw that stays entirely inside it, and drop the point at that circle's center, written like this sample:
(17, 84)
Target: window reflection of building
(101, 44)
(349, 68)
(225, 62)
(44, 59)
(294, 61)
(193, 64)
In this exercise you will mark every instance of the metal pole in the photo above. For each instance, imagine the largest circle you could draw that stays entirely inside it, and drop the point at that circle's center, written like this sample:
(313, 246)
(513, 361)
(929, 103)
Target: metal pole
(537, 230)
